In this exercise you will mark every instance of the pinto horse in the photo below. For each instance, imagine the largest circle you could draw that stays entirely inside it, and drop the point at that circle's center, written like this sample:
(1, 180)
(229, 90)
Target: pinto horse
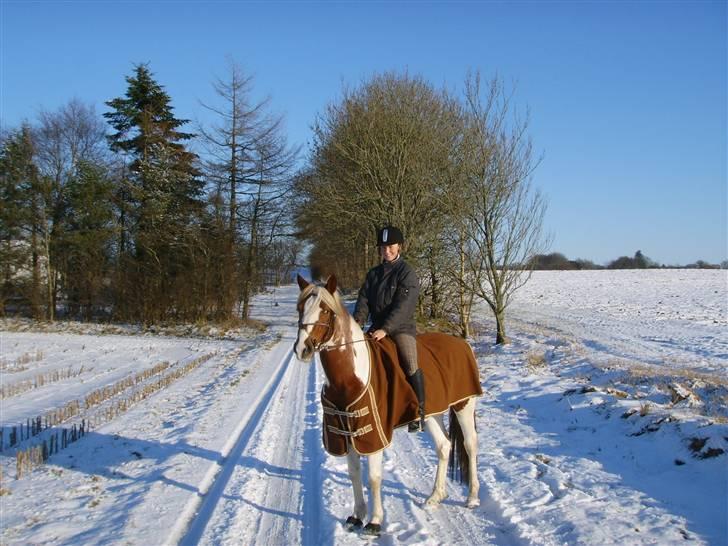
(363, 399)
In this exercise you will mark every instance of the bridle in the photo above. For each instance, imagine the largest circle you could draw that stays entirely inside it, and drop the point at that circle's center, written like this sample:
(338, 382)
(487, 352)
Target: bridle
(317, 345)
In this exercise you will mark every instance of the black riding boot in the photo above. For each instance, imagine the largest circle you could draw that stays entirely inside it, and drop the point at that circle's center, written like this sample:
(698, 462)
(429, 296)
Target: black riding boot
(417, 380)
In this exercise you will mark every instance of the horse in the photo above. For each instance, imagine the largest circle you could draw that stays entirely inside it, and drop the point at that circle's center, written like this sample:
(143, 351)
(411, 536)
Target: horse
(355, 423)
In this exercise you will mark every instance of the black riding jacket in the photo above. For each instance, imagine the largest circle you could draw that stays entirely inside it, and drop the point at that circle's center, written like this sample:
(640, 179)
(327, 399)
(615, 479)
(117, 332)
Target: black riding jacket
(389, 295)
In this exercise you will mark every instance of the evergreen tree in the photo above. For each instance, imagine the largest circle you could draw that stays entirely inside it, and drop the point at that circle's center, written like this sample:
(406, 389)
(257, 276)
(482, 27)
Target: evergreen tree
(63, 139)
(18, 179)
(87, 240)
(163, 176)
(162, 194)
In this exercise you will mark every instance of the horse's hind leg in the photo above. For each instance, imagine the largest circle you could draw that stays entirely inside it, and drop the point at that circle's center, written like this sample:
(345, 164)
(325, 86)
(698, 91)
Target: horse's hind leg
(360, 506)
(466, 418)
(436, 428)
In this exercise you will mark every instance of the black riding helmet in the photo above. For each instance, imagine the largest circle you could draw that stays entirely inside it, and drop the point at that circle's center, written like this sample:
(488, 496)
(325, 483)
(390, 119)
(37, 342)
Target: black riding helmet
(389, 235)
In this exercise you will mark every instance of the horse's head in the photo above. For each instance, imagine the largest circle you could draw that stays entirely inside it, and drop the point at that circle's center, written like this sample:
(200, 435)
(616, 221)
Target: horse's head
(317, 312)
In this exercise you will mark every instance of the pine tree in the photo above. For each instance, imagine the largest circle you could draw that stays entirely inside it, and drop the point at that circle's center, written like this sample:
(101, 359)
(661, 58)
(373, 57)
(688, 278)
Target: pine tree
(87, 239)
(162, 171)
(19, 219)
(163, 193)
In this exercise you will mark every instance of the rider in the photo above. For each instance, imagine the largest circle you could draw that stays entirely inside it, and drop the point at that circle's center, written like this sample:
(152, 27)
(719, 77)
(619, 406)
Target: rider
(389, 295)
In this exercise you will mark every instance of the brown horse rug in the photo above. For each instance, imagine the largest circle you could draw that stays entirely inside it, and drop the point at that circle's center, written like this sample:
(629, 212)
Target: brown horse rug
(388, 401)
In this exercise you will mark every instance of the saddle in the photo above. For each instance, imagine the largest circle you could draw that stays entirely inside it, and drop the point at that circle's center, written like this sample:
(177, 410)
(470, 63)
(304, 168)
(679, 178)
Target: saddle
(388, 401)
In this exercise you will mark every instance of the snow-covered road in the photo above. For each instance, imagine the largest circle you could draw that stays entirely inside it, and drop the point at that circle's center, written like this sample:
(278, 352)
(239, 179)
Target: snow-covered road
(231, 453)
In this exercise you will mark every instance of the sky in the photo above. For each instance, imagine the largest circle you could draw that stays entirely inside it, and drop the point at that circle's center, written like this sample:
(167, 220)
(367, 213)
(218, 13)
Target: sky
(627, 100)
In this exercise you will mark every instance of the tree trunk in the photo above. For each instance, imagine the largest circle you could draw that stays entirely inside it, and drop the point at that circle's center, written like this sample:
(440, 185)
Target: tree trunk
(435, 311)
(500, 322)
(51, 294)
(464, 321)
(35, 296)
(249, 269)
(229, 283)
(50, 280)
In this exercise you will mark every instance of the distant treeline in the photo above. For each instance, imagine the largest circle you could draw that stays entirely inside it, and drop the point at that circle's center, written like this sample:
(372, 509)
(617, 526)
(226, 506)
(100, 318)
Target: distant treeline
(557, 261)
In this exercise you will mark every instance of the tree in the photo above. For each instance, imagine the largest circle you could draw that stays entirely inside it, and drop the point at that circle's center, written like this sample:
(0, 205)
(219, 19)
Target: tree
(63, 140)
(455, 175)
(379, 157)
(19, 219)
(266, 214)
(638, 261)
(163, 192)
(241, 121)
(87, 239)
(251, 167)
(502, 216)
(553, 261)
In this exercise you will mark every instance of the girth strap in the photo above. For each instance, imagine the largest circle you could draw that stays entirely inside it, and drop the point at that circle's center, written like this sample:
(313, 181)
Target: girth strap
(358, 432)
(357, 413)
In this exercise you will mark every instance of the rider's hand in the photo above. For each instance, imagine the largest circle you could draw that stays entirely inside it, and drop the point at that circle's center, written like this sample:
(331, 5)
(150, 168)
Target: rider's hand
(379, 334)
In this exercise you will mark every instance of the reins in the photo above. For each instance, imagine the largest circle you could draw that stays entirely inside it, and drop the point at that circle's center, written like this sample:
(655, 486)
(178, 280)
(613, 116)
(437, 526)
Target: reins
(345, 343)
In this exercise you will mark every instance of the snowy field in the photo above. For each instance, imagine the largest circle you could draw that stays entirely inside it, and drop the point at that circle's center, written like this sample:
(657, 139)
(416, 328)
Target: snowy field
(605, 421)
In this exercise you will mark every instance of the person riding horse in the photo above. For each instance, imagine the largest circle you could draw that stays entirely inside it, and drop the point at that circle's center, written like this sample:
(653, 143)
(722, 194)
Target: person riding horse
(389, 294)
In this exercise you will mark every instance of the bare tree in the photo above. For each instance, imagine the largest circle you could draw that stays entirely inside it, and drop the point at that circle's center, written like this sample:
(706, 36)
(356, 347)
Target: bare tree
(63, 139)
(265, 213)
(250, 164)
(378, 158)
(502, 226)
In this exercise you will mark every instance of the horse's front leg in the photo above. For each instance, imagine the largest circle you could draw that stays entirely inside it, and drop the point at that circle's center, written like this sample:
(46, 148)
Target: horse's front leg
(356, 520)
(374, 526)
(436, 428)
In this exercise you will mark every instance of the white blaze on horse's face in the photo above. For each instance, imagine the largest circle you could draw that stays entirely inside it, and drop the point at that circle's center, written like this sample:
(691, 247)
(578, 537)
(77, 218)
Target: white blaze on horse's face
(308, 317)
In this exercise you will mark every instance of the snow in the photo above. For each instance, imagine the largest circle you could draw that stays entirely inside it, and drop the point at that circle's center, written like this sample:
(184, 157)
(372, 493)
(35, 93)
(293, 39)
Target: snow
(602, 423)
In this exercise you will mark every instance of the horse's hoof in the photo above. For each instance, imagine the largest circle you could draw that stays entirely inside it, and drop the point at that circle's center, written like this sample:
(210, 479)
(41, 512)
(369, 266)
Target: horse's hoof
(473, 503)
(434, 501)
(353, 523)
(372, 529)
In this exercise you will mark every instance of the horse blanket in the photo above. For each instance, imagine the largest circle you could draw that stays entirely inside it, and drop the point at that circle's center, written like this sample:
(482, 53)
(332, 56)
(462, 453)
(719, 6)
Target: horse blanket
(388, 401)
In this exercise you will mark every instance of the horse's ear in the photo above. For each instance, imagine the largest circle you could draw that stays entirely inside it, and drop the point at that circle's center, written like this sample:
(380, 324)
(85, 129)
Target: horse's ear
(302, 283)
(331, 284)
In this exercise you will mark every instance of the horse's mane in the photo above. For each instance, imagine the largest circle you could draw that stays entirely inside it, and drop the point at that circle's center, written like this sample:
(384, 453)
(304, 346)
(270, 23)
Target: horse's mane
(332, 300)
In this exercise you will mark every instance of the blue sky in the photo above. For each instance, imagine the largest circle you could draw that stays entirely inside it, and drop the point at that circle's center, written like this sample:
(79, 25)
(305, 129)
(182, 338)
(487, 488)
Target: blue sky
(627, 99)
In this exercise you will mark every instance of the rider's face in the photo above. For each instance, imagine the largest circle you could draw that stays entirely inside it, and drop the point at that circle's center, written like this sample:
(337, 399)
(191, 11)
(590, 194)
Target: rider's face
(389, 252)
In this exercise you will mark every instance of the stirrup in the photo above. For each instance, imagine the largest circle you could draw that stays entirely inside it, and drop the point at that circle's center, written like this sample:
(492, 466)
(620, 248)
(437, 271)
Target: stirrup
(416, 426)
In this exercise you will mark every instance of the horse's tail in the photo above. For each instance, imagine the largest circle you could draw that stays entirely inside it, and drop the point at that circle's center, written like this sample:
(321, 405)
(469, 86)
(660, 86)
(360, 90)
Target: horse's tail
(459, 463)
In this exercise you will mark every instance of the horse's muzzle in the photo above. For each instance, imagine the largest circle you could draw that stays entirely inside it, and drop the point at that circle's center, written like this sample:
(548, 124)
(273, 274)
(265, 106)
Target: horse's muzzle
(304, 350)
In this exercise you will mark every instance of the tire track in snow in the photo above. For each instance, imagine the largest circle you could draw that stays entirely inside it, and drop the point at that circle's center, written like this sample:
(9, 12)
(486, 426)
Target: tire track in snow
(312, 460)
(270, 491)
(198, 511)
